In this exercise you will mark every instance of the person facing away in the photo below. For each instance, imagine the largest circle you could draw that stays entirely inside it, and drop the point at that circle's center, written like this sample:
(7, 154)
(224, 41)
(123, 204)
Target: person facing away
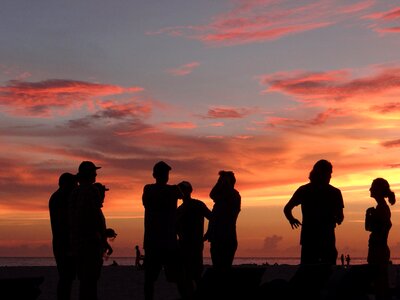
(322, 209)
(87, 230)
(221, 231)
(377, 221)
(160, 237)
(58, 208)
(190, 228)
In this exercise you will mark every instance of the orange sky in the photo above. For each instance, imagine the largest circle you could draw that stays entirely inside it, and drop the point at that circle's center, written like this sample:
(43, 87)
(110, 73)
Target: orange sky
(263, 88)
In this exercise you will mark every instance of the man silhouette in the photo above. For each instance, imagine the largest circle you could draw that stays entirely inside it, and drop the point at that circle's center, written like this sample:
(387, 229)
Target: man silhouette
(58, 207)
(86, 223)
(322, 208)
(160, 237)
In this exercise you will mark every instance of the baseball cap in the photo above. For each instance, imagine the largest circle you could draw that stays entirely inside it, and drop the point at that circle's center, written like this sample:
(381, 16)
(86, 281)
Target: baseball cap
(87, 166)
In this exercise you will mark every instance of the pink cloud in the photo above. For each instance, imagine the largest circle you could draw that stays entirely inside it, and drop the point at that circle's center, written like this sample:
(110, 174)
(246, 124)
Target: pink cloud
(392, 107)
(180, 125)
(185, 69)
(332, 85)
(389, 29)
(265, 20)
(40, 98)
(357, 7)
(224, 112)
(385, 16)
(113, 109)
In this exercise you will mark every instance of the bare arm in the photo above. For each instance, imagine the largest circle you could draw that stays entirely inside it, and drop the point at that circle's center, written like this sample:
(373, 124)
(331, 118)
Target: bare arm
(294, 223)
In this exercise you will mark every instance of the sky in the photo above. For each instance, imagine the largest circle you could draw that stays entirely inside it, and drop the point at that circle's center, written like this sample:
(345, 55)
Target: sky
(264, 88)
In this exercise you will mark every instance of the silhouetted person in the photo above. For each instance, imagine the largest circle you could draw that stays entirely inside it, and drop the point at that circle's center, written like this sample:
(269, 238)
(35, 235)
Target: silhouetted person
(109, 233)
(58, 207)
(222, 226)
(348, 259)
(87, 230)
(377, 221)
(190, 226)
(342, 259)
(322, 208)
(139, 258)
(160, 237)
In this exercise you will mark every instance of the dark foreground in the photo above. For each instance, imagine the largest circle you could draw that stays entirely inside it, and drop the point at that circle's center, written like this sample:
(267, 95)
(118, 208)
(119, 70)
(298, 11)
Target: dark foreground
(247, 282)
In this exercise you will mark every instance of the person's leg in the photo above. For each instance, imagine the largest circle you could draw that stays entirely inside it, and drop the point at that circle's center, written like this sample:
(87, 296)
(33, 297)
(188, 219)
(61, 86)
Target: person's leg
(66, 267)
(152, 268)
(89, 268)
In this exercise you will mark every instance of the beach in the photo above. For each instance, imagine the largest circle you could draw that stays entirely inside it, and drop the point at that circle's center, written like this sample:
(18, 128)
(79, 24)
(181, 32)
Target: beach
(126, 282)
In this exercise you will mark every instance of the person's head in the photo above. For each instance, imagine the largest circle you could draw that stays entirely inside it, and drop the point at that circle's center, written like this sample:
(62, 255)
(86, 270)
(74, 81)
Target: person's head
(102, 191)
(227, 178)
(321, 172)
(161, 172)
(67, 181)
(87, 172)
(380, 189)
(186, 189)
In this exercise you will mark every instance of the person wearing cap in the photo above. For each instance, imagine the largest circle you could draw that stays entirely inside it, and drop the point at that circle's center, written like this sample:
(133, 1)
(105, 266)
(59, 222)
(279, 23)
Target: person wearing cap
(190, 226)
(58, 208)
(87, 230)
(160, 239)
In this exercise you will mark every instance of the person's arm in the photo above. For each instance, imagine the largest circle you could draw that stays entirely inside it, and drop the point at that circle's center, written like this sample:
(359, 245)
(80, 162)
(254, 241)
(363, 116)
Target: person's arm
(340, 215)
(293, 202)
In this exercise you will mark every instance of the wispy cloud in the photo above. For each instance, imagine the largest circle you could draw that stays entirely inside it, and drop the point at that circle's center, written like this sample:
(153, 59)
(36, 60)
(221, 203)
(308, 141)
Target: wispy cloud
(225, 112)
(386, 21)
(333, 85)
(42, 97)
(185, 69)
(264, 20)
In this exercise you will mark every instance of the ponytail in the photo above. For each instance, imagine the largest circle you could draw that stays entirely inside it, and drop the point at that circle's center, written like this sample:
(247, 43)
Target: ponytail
(391, 197)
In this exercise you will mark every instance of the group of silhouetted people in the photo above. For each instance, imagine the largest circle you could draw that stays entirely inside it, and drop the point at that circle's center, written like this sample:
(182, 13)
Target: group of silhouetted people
(79, 231)
(174, 236)
(322, 209)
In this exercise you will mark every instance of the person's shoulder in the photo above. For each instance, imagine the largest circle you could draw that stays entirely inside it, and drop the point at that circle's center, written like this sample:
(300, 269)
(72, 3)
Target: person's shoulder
(334, 189)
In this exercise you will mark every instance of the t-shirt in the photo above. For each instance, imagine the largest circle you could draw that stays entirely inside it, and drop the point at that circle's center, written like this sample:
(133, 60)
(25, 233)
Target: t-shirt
(160, 203)
(322, 208)
(190, 222)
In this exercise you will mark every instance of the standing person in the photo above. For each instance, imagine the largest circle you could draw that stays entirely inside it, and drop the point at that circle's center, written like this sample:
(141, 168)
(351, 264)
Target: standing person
(348, 259)
(58, 208)
(190, 226)
(87, 230)
(377, 221)
(222, 226)
(342, 259)
(139, 257)
(160, 238)
(322, 209)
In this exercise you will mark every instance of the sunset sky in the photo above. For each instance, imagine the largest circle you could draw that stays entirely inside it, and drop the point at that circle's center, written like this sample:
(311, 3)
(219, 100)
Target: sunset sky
(264, 88)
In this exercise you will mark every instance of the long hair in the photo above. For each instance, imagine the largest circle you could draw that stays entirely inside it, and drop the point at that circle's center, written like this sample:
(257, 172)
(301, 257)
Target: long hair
(383, 186)
(321, 172)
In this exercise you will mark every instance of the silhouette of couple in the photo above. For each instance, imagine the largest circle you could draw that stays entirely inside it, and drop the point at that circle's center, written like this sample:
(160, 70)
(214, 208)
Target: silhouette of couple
(79, 231)
(183, 259)
(322, 209)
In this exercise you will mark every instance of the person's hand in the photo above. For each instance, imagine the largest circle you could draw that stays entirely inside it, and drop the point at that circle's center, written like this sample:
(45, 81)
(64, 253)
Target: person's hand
(294, 223)
(109, 250)
(206, 236)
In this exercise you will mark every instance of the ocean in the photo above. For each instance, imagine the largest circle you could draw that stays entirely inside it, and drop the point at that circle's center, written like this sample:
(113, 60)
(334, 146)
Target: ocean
(129, 261)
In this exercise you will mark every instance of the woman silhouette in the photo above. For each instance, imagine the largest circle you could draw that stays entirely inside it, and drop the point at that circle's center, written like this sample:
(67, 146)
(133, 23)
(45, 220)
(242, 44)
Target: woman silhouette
(377, 221)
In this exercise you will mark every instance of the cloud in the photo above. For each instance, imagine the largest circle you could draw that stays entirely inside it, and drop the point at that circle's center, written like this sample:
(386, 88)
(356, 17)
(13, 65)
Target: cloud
(271, 243)
(392, 107)
(179, 125)
(42, 97)
(225, 112)
(185, 69)
(265, 20)
(391, 144)
(332, 85)
(383, 18)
